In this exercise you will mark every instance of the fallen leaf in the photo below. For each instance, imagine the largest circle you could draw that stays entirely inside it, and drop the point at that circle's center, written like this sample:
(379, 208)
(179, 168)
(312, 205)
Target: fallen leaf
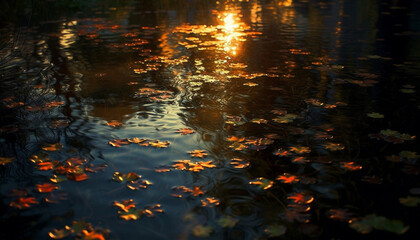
(46, 187)
(227, 221)
(262, 183)
(23, 202)
(185, 131)
(275, 230)
(4, 160)
(202, 231)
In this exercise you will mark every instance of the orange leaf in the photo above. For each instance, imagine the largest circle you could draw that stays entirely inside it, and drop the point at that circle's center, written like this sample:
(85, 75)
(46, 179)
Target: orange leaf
(23, 202)
(77, 176)
(46, 187)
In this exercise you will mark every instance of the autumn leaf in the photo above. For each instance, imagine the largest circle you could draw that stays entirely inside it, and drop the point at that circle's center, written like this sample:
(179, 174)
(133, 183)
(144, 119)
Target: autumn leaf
(197, 191)
(118, 142)
(369, 222)
(53, 147)
(300, 149)
(288, 178)
(59, 234)
(94, 234)
(333, 146)
(288, 118)
(300, 198)
(125, 205)
(227, 221)
(202, 231)
(350, 166)
(198, 153)
(23, 202)
(122, 177)
(275, 230)
(409, 154)
(239, 163)
(136, 140)
(185, 131)
(410, 201)
(296, 214)
(4, 160)
(46, 187)
(159, 144)
(343, 215)
(131, 214)
(259, 121)
(77, 177)
(375, 115)
(151, 209)
(235, 139)
(55, 198)
(137, 184)
(45, 166)
(262, 183)
(210, 202)
(115, 124)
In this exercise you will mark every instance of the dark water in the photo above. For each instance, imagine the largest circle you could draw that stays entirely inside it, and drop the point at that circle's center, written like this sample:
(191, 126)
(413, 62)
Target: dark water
(278, 90)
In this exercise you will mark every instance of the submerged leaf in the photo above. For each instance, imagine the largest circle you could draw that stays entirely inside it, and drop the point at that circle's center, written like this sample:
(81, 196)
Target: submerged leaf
(202, 231)
(375, 115)
(275, 230)
(227, 221)
(4, 160)
(410, 201)
(366, 224)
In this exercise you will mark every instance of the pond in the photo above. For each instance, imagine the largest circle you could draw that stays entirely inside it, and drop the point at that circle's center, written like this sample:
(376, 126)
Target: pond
(199, 119)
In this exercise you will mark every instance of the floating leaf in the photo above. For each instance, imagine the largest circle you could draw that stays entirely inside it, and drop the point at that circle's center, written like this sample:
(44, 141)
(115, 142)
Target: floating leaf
(286, 118)
(409, 154)
(300, 149)
(77, 176)
(288, 178)
(301, 198)
(202, 231)
(23, 202)
(115, 123)
(239, 163)
(131, 214)
(198, 153)
(46, 187)
(137, 184)
(333, 146)
(125, 205)
(59, 234)
(56, 198)
(343, 215)
(227, 221)
(375, 115)
(296, 214)
(53, 147)
(4, 160)
(350, 166)
(95, 234)
(118, 142)
(275, 230)
(210, 202)
(259, 121)
(262, 183)
(366, 224)
(410, 201)
(159, 144)
(122, 177)
(149, 210)
(185, 131)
